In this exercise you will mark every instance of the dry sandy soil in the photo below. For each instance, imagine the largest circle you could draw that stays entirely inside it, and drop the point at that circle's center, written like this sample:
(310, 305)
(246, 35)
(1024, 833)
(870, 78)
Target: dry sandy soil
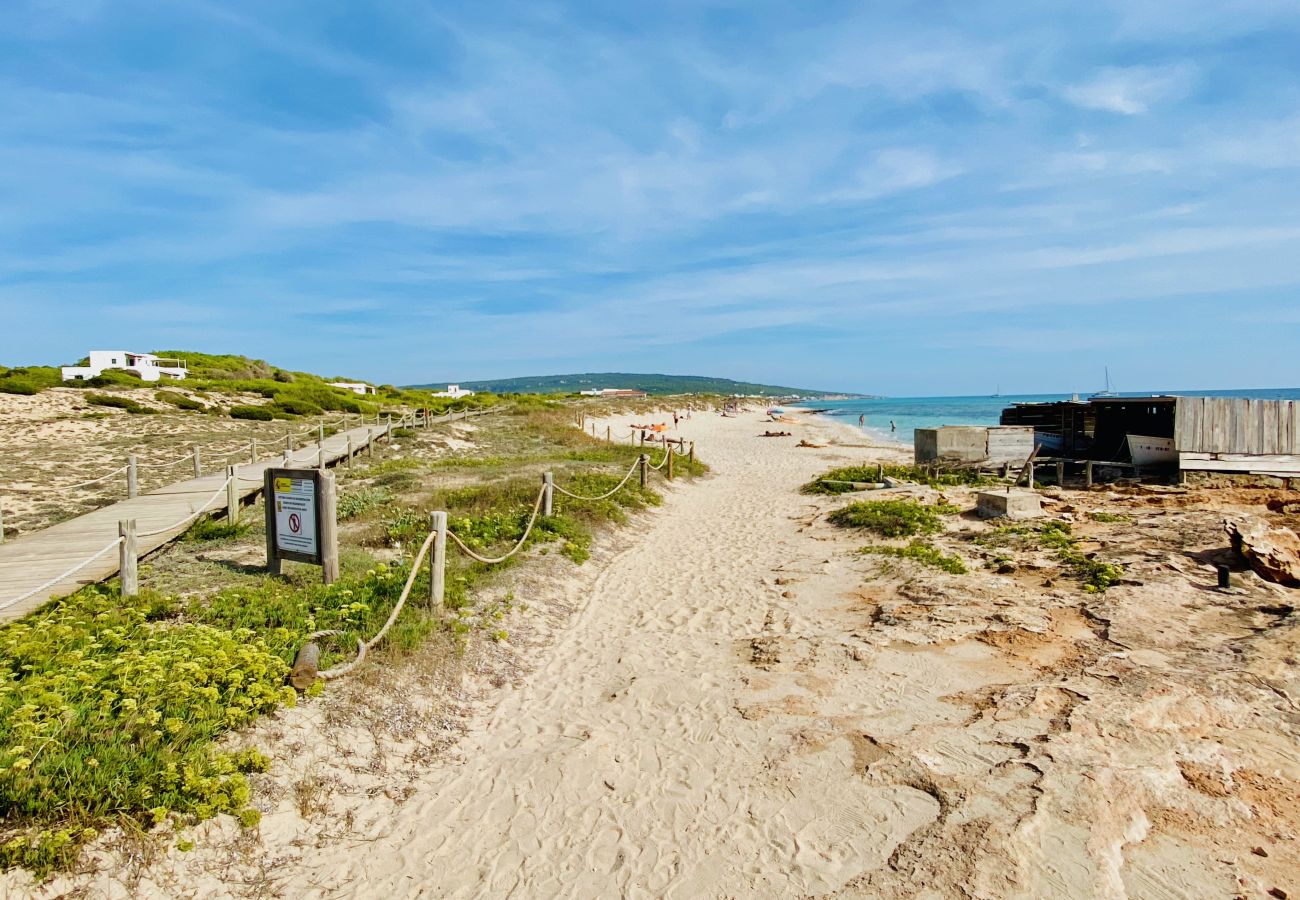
(56, 439)
(728, 701)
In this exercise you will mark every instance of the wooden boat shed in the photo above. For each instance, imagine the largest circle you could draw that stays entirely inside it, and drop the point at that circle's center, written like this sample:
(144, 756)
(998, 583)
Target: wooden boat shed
(1210, 434)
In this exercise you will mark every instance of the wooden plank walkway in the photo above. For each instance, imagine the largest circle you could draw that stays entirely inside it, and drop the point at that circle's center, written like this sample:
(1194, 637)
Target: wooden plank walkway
(35, 561)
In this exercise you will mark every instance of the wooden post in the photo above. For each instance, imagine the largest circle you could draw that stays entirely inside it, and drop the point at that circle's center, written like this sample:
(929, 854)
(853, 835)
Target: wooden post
(126, 560)
(288, 442)
(320, 434)
(232, 494)
(1087, 473)
(268, 492)
(438, 559)
(609, 434)
(2, 523)
(668, 448)
(1031, 475)
(320, 458)
(548, 494)
(645, 468)
(252, 452)
(198, 461)
(1060, 473)
(132, 476)
(329, 530)
(370, 443)
(692, 451)
(880, 472)
(349, 451)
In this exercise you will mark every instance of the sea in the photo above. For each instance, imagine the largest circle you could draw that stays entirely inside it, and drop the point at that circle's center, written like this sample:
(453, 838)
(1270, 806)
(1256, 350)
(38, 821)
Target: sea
(897, 418)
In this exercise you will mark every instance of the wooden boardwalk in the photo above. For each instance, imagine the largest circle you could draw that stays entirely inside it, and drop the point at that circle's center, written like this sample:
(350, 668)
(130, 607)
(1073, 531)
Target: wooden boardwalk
(35, 562)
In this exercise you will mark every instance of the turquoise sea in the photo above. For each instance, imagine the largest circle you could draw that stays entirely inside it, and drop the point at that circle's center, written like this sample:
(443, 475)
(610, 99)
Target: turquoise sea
(909, 413)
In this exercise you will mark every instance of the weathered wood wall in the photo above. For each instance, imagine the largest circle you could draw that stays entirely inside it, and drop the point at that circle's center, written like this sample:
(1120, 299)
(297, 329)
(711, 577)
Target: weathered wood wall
(1237, 425)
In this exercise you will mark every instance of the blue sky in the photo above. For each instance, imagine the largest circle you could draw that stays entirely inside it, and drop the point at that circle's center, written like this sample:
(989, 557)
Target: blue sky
(902, 198)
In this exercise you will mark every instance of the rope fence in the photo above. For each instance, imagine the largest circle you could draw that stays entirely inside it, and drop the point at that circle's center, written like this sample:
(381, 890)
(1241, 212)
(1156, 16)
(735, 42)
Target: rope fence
(60, 577)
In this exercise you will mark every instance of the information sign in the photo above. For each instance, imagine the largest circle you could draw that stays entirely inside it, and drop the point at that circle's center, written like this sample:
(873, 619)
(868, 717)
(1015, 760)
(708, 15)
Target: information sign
(300, 519)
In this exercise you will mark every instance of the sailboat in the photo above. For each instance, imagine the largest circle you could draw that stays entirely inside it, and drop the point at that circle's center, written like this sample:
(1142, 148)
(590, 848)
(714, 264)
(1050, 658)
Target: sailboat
(1107, 392)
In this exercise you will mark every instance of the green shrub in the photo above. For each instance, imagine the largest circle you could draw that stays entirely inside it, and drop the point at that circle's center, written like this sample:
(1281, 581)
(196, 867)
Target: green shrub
(1096, 576)
(214, 530)
(832, 482)
(29, 379)
(116, 402)
(298, 407)
(112, 378)
(1109, 517)
(106, 712)
(892, 518)
(355, 503)
(180, 401)
(403, 432)
(255, 413)
(923, 552)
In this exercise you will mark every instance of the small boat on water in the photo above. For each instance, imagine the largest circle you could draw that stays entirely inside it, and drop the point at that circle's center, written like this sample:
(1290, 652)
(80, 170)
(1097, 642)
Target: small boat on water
(1107, 392)
(1151, 451)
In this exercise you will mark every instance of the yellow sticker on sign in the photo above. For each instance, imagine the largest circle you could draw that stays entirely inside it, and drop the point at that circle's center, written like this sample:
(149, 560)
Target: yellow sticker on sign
(283, 485)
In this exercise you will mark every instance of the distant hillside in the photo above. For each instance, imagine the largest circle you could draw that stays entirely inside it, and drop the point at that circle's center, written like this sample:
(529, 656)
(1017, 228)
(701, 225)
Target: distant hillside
(651, 384)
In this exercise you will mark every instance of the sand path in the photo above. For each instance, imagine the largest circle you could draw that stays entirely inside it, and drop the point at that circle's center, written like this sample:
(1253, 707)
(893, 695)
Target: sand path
(622, 767)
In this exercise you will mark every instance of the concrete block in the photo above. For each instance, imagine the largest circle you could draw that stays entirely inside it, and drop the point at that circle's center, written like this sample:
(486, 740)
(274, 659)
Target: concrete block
(1013, 505)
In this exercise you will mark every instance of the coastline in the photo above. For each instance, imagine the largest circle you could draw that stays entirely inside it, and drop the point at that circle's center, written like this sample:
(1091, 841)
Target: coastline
(729, 699)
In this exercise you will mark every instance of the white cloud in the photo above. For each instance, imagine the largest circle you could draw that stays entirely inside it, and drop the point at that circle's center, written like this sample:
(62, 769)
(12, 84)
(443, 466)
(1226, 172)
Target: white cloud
(1131, 91)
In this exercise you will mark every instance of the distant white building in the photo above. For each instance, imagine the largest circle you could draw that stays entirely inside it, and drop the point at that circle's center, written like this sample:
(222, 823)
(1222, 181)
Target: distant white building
(356, 387)
(453, 391)
(613, 392)
(146, 365)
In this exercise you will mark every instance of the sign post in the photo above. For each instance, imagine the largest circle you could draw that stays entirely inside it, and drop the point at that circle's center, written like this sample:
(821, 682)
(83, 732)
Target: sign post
(301, 522)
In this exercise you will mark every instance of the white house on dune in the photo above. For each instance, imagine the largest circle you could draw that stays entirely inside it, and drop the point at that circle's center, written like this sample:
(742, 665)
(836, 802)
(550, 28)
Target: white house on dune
(146, 365)
(453, 391)
(356, 387)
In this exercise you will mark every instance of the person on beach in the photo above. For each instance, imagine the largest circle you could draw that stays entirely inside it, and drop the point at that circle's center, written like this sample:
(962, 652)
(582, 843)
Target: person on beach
(674, 418)
(892, 427)
(862, 420)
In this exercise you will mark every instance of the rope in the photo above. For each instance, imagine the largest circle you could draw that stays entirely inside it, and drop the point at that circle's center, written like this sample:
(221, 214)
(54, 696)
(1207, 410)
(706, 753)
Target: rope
(67, 487)
(192, 515)
(513, 550)
(163, 465)
(630, 473)
(363, 646)
(56, 579)
(664, 461)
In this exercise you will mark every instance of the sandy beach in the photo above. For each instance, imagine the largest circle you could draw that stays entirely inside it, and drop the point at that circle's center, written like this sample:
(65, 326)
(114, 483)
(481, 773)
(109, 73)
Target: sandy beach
(727, 700)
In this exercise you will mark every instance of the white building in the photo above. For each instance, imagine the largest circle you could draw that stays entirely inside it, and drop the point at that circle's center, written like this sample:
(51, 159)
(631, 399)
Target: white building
(356, 387)
(146, 365)
(453, 391)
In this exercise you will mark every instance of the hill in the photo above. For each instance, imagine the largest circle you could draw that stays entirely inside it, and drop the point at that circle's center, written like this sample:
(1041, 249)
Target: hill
(651, 384)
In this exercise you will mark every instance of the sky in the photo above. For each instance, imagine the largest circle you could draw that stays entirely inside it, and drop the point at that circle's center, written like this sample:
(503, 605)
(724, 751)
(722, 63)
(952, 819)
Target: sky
(902, 198)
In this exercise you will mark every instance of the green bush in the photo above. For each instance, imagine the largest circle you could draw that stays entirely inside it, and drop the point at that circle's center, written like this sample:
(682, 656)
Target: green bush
(112, 378)
(180, 401)
(255, 413)
(892, 518)
(923, 552)
(298, 407)
(116, 402)
(832, 482)
(359, 502)
(214, 530)
(106, 712)
(28, 379)
(1096, 576)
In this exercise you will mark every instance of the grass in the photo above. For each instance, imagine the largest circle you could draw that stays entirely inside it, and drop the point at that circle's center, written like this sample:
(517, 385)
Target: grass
(214, 530)
(111, 709)
(253, 413)
(892, 518)
(1109, 517)
(1096, 576)
(923, 552)
(180, 401)
(830, 482)
(114, 401)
